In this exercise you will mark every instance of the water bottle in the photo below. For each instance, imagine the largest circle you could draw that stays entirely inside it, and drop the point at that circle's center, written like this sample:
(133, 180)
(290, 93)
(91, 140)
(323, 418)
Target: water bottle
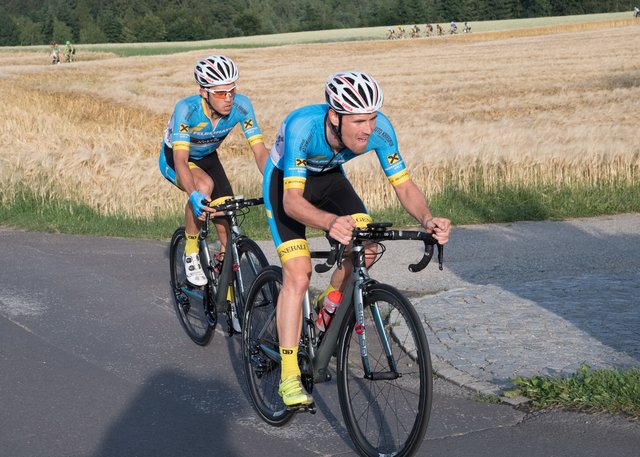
(329, 305)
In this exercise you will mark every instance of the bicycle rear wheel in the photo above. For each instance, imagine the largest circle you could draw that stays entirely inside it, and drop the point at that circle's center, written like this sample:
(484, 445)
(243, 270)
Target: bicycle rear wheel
(386, 413)
(260, 348)
(252, 262)
(190, 302)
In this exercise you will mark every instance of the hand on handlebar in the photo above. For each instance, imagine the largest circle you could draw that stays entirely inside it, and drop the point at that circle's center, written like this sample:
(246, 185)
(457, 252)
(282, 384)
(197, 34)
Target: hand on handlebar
(341, 229)
(440, 228)
(197, 202)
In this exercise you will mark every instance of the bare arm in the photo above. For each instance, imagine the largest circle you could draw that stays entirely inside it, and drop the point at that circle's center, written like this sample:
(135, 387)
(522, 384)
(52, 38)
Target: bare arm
(261, 154)
(414, 201)
(185, 177)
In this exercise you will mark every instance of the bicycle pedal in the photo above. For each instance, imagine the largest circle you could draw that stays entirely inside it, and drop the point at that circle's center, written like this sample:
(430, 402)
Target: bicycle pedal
(311, 408)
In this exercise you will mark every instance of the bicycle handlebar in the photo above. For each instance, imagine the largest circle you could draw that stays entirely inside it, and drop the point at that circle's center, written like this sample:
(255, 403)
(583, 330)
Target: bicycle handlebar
(235, 203)
(232, 204)
(379, 232)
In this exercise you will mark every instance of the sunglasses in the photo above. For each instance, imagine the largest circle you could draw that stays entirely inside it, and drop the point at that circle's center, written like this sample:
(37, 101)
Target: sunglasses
(222, 94)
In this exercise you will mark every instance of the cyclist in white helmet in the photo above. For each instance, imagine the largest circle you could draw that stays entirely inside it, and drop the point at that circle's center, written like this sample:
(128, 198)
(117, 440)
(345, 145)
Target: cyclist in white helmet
(188, 158)
(305, 186)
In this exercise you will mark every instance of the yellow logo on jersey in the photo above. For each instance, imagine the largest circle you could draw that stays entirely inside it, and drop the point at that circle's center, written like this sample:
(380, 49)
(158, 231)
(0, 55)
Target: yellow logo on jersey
(248, 124)
(184, 128)
(301, 162)
(199, 127)
(393, 158)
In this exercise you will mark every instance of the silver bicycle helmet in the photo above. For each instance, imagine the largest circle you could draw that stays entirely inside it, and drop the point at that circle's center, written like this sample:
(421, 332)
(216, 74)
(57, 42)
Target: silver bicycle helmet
(353, 92)
(215, 71)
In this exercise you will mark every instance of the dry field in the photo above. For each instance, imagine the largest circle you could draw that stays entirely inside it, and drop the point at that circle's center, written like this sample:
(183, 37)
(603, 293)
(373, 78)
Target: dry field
(555, 107)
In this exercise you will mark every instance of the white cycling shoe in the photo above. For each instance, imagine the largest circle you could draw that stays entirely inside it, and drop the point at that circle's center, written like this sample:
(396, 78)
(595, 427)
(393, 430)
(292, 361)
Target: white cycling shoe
(193, 269)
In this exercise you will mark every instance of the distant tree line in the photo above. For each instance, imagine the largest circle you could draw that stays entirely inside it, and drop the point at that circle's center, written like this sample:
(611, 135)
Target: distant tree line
(29, 22)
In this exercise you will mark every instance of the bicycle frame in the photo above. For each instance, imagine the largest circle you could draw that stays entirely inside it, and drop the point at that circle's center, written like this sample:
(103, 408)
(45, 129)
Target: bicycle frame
(321, 356)
(230, 274)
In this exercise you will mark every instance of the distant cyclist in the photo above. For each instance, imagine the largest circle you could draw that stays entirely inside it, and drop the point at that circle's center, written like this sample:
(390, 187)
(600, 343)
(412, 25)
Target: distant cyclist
(305, 186)
(188, 158)
(54, 52)
(69, 52)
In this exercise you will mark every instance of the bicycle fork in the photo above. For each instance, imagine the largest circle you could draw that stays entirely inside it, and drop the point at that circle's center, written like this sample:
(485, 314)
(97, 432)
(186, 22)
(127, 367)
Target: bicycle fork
(360, 329)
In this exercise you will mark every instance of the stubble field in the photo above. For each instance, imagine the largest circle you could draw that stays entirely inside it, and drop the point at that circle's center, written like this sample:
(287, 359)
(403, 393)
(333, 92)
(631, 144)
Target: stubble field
(486, 110)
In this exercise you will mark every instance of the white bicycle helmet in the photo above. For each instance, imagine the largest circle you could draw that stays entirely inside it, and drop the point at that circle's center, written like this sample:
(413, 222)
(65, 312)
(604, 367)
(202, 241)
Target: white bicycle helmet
(353, 92)
(215, 71)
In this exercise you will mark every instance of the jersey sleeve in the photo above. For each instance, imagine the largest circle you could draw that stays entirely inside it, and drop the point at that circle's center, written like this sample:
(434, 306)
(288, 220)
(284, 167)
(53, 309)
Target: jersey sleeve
(250, 127)
(180, 137)
(386, 147)
(298, 134)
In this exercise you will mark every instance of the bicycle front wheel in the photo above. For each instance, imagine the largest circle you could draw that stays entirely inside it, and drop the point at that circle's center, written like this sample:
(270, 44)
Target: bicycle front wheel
(386, 407)
(190, 302)
(252, 262)
(261, 349)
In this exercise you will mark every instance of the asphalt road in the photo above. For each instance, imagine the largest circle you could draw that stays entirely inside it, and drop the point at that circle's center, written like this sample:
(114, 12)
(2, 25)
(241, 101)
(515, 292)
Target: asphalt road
(93, 362)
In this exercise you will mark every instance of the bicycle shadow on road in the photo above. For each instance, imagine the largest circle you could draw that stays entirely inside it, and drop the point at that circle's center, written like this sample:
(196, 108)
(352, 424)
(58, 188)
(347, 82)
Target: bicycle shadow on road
(157, 422)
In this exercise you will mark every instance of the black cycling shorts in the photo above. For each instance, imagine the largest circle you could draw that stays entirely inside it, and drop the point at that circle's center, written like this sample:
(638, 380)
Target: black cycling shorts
(210, 164)
(330, 191)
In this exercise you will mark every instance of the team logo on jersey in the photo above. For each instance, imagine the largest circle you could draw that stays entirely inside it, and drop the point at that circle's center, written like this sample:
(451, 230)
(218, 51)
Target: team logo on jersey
(184, 128)
(248, 124)
(393, 158)
(301, 162)
(198, 127)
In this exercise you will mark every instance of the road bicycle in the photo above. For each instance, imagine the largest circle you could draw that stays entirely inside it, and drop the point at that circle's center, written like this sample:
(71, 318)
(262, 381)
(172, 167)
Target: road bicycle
(383, 368)
(229, 275)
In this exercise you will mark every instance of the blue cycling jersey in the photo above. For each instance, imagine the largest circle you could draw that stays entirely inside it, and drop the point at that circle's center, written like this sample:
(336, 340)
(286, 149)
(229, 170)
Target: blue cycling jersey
(190, 129)
(301, 148)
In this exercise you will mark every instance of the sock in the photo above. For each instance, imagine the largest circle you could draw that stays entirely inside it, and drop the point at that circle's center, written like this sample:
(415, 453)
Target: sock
(289, 365)
(191, 246)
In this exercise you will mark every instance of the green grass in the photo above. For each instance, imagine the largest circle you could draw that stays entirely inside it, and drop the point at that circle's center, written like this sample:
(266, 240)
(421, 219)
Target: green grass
(503, 205)
(316, 36)
(591, 390)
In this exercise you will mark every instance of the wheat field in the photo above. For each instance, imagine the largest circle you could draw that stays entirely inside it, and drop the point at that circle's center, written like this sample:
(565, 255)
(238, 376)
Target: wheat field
(557, 107)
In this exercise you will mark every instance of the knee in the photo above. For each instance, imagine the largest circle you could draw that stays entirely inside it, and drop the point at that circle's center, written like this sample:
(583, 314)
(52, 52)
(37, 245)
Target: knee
(297, 281)
(204, 185)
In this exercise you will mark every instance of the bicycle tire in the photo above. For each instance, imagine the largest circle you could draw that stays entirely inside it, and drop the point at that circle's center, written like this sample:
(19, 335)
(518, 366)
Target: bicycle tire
(190, 302)
(260, 348)
(385, 416)
(252, 262)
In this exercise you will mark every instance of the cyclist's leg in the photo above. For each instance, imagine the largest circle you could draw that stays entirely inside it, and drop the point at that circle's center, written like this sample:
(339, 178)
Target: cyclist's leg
(288, 236)
(296, 274)
(220, 190)
(204, 183)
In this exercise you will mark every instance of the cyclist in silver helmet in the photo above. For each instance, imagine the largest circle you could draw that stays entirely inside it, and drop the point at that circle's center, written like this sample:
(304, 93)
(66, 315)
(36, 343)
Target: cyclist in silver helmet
(189, 159)
(305, 186)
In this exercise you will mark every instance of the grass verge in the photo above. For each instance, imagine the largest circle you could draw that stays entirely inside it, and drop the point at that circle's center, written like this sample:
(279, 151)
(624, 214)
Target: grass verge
(506, 204)
(591, 390)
